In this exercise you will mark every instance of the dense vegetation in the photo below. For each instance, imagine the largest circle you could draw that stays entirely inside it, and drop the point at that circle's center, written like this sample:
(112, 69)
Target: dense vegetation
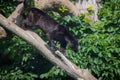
(99, 48)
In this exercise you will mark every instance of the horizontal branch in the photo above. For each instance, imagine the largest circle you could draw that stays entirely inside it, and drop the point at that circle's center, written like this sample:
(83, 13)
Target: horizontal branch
(44, 4)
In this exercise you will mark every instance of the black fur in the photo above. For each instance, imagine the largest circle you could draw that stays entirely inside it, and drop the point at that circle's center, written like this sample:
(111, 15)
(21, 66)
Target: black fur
(53, 30)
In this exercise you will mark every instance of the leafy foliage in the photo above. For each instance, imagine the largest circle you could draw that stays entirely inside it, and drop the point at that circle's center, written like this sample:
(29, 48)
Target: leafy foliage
(16, 74)
(99, 48)
(7, 6)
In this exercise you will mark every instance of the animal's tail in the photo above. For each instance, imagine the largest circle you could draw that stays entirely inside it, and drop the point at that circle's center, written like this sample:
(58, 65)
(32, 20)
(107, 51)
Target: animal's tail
(26, 8)
(25, 3)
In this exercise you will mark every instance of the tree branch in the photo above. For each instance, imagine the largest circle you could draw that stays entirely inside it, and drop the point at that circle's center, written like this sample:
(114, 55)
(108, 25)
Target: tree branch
(15, 16)
(44, 4)
(32, 38)
(61, 61)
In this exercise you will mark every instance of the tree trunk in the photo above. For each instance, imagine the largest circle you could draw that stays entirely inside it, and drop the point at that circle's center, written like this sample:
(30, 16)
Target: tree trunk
(83, 5)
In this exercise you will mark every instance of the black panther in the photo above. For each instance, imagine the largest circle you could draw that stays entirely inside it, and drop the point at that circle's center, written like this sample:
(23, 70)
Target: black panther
(53, 30)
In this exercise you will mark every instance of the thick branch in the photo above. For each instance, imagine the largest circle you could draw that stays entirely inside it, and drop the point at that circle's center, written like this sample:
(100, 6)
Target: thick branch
(61, 61)
(44, 4)
(15, 16)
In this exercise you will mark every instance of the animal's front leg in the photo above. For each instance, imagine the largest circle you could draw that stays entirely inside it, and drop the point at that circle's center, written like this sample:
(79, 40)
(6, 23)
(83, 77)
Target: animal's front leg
(53, 46)
(63, 46)
(24, 24)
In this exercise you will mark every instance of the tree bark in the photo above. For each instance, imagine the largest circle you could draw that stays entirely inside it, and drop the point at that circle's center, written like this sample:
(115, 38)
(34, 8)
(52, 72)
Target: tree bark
(58, 59)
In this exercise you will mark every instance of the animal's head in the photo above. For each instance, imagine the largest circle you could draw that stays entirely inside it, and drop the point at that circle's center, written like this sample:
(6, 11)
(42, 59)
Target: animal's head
(73, 43)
